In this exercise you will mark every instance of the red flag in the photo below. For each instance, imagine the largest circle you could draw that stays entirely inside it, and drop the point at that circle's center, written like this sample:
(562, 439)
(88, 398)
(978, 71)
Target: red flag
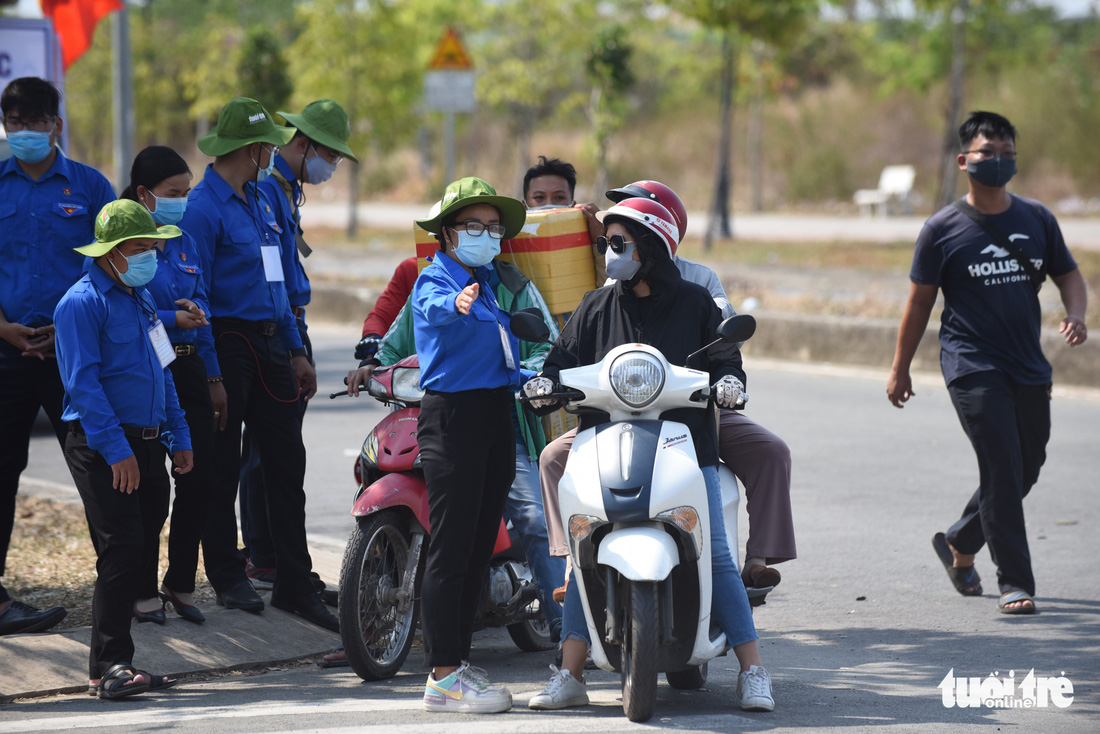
(75, 22)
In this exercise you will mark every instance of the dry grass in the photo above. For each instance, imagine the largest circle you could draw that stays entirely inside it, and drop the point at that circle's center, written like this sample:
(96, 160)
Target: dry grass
(51, 561)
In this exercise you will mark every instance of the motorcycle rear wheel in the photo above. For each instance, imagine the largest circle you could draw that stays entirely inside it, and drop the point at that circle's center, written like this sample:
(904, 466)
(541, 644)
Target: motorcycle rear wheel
(377, 630)
(531, 635)
(639, 668)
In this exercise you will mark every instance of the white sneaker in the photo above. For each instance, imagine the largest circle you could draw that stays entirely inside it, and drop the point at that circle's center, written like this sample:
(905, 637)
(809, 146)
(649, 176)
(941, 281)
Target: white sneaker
(466, 690)
(561, 692)
(754, 688)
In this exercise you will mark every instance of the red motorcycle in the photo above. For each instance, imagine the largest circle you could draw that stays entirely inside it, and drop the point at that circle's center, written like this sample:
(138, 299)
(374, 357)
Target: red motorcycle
(384, 560)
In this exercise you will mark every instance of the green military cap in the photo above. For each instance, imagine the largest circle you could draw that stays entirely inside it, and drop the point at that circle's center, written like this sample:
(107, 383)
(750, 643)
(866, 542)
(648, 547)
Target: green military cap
(121, 220)
(469, 191)
(243, 121)
(324, 122)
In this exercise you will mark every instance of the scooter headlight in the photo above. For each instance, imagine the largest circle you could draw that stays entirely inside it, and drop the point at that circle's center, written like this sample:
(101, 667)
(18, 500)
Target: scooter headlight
(637, 378)
(406, 384)
(687, 519)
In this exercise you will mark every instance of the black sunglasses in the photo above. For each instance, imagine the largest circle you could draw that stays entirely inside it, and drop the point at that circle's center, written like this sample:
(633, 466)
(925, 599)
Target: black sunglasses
(616, 241)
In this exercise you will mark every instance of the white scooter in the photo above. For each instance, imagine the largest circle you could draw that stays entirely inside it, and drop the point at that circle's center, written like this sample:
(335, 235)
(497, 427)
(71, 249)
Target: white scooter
(634, 505)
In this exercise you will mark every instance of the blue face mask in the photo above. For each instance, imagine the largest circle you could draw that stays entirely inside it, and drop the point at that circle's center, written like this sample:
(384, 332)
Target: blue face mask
(318, 169)
(29, 146)
(169, 209)
(140, 269)
(476, 251)
(263, 173)
(994, 172)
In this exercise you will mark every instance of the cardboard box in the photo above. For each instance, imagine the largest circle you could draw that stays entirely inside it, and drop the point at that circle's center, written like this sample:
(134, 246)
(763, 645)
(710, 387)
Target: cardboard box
(557, 423)
(553, 250)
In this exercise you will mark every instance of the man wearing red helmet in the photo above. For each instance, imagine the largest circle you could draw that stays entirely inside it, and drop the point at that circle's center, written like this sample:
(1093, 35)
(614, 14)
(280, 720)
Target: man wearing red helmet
(652, 303)
(758, 457)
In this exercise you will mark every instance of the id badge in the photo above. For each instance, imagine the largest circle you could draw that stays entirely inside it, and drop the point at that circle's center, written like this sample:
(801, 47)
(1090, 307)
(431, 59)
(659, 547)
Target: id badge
(273, 263)
(158, 337)
(509, 360)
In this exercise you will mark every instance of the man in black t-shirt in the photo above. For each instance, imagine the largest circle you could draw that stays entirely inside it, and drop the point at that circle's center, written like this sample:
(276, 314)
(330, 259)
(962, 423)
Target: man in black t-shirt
(996, 374)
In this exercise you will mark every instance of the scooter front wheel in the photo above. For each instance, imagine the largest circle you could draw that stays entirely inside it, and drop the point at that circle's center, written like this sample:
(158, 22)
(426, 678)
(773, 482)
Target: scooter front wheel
(639, 668)
(377, 624)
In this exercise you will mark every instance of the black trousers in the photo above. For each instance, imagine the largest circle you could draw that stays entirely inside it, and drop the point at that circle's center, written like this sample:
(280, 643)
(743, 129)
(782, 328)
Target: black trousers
(193, 488)
(26, 383)
(468, 449)
(261, 391)
(1009, 426)
(125, 530)
(259, 547)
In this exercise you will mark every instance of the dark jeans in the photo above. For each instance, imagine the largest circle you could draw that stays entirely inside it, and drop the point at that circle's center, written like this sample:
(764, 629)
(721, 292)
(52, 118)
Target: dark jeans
(1009, 426)
(260, 391)
(258, 545)
(26, 383)
(468, 449)
(125, 531)
(193, 488)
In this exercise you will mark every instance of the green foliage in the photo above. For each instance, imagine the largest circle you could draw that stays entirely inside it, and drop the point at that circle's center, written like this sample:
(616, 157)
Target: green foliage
(262, 70)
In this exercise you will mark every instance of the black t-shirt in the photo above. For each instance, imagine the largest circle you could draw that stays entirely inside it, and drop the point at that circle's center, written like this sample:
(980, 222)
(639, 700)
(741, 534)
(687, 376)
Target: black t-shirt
(991, 317)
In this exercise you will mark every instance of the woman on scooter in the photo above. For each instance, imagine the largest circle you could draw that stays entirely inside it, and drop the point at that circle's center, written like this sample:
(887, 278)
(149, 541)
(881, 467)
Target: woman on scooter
(469, 370)
(652, 304)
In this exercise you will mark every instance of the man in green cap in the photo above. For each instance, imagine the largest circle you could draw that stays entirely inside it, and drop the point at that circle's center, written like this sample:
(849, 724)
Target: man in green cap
(122, 413)
(320, 142)
(264, 365)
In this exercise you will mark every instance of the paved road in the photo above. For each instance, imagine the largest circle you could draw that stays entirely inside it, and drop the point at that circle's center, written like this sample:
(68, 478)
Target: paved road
(1079, 232)
(862, 630)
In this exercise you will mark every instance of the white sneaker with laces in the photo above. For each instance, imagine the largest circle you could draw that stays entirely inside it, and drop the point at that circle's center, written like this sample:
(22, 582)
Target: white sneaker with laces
(754, 688)
(466, 690)
(563, 691)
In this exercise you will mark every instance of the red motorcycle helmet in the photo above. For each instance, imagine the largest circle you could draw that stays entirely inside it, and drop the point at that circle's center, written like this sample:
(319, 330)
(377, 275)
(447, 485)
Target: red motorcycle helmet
(650, 215)
(658, 192)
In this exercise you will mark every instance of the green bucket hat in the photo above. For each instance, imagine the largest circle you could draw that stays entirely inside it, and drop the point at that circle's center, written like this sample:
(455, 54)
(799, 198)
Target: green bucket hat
(469, 191)
(121, 220)
(242, 122)
(324, 122)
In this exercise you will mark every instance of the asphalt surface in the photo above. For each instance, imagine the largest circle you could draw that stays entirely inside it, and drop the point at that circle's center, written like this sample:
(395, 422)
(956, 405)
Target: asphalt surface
(858, 636)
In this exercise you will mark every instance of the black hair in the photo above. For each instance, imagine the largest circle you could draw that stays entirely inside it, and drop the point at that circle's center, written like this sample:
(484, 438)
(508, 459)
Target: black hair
(151, 166)
(551, 167)
(989, 124)
(32, 96)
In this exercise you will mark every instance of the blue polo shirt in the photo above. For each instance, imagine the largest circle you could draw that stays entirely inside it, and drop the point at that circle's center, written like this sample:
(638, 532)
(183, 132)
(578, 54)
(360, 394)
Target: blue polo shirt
(40, 224)
(290, 219)
(229, 234)
(111, 373)
(179, 275)
(461, 351)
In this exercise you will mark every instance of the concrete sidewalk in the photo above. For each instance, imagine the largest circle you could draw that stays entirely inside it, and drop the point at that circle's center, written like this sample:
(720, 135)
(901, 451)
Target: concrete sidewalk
(57, 662)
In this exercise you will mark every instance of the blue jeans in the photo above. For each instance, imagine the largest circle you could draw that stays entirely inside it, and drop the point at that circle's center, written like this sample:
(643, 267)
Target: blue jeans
(524, 510)
(729, 603)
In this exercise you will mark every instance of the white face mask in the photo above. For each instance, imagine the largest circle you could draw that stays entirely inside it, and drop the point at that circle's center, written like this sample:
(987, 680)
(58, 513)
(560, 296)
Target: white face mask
(621, 266)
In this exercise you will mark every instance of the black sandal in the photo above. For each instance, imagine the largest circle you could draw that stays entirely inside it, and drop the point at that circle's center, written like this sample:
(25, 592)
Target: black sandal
(965, 579)
(113, 684)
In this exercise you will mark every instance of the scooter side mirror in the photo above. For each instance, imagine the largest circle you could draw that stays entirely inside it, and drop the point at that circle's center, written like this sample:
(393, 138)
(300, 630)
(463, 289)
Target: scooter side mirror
(737, 328)
(527, 324)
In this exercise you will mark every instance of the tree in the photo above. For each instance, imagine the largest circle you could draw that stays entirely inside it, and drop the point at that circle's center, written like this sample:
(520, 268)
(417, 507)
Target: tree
(773, 22)
(608, 68)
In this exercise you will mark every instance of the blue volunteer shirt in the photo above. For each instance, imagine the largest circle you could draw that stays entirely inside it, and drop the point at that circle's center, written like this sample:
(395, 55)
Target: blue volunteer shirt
(290, 220)
(991, 317)
(461, 351)
(180, 275)
(230, 233)
(112, 375)
(40, 224)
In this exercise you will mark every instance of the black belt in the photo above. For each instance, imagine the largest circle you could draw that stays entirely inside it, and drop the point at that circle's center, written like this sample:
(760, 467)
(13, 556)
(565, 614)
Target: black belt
(185, 350)
(263, 328)
(145, 434)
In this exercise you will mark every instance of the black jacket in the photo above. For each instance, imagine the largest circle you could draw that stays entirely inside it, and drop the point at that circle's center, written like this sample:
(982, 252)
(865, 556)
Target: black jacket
(677, 318)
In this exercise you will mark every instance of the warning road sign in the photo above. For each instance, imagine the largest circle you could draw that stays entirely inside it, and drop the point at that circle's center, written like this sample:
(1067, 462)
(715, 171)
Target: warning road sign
(450, 54)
